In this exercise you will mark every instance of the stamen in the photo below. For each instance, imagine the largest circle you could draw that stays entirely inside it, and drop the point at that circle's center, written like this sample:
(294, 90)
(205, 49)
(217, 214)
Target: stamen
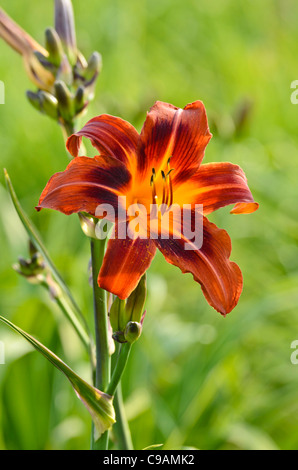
(171, 188)
(163, 187)
(170, 182)
(152, 183)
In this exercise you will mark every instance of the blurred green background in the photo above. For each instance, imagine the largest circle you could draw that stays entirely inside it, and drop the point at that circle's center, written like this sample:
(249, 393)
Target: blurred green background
(194, 378)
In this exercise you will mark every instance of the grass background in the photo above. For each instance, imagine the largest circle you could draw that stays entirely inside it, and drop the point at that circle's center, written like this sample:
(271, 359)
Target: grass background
(194, 378)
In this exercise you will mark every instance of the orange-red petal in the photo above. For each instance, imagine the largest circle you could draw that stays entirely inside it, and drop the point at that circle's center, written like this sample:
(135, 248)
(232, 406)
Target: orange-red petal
(86, 183)
(216, 185)
(109, 135)
(169, 131)
(220, 279)
(124, 264)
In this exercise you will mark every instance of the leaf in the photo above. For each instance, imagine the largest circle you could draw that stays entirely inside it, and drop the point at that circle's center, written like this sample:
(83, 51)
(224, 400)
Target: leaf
(99, 404)
(153, 446)
(81, 326)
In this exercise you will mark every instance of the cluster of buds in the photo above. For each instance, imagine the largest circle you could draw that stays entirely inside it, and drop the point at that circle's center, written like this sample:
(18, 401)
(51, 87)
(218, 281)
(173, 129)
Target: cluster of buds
(65, 79)
(127, 316)
(32, 268)
(35, 270)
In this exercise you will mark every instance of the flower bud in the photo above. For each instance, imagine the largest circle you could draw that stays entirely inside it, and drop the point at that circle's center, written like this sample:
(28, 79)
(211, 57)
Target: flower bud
(33, 269)
(34, 99)
(79, 99)
(65, 103)
(117, 315)
(43, 60)
(49, 104)
(127, 316)
(65, 27)
(53, 46)
(119, 337)
(94, 66)
(132, 331)
(88, 224)
(136, 301)
(91, 73)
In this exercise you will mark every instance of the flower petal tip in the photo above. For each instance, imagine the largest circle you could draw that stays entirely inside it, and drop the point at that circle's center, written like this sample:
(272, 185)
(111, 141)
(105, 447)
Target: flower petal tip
(245, 208)
(73, 144)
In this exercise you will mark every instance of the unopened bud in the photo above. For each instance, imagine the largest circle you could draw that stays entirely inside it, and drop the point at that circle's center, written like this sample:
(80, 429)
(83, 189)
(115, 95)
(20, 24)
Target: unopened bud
(49, 104)
(37, 262)
(132, 331)
(65, 27)
(91, 73)
(119, 337)
(33, 269)
(79, 99)
(32, 249)
(53, 46)
(34, 99)
(88, 224)
(94, 66)
(23, 267)
(43, 60)
(136, 301)
(117, 315)
(65, 103)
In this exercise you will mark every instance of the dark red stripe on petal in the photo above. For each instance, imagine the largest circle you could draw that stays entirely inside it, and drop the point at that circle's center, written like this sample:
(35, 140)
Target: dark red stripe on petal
(78, 197)
(124, 263)
(173, 132)
(86, 183)
(110, 135)
(221, 279)
(216, 185)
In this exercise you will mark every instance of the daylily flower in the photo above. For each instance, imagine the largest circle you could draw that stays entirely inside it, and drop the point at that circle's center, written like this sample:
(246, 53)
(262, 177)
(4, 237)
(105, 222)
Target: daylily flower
(163, 164)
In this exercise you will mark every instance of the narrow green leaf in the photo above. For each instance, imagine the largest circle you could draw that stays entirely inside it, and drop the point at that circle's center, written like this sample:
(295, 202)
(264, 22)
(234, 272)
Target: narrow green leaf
(153, 446)
(81, 326)
(99, 404)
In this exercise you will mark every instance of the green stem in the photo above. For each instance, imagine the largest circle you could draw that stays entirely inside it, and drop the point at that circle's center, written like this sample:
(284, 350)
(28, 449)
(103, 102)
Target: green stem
(103, 362)
(68, 128)
(121, 427)
(103, 366)
(119, 368)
